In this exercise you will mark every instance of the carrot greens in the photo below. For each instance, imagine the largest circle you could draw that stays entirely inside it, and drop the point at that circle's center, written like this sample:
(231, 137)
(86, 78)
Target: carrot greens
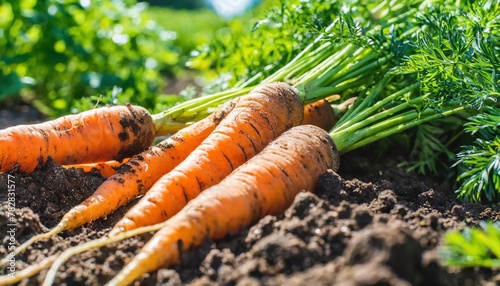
(480, 161)
(338, 56)
(458, 61)
(425, 64)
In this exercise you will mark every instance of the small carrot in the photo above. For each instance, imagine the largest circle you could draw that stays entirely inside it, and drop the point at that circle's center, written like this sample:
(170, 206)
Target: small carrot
(135, 177)
(265, 185)
(257, 119)
(321, 114)
(108, 133)
(106, 169)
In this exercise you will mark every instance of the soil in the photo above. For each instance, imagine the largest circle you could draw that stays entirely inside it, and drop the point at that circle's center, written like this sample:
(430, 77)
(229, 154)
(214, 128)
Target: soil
(368, 224)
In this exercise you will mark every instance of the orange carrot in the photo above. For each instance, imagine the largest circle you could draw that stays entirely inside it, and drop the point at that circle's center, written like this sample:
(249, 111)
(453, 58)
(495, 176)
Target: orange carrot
(265, 185)
(321, 114)
(108, 133)
(106, 169)
(256, 120)
(136, 176)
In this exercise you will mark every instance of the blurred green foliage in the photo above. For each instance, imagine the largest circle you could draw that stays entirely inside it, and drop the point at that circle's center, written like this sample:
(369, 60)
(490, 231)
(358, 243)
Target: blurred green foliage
(65, 56)
(192, 28)
(56, 52)
(474, 246)
(257, 43)
(197, 30)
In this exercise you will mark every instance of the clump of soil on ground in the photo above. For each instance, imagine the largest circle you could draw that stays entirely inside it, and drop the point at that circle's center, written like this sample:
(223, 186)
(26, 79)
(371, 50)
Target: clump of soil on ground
(375, 224)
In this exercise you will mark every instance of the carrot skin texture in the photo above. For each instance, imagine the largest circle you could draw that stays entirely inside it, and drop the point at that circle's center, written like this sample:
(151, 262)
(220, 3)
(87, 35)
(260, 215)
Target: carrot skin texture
(265, 185)
(136, 176)
(258, 118)
(321, 114)
(102, 134)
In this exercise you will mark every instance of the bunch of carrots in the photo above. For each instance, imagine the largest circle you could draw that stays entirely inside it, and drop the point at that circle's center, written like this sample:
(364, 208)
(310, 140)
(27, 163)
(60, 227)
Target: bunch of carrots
(250, 153)
(259, 148)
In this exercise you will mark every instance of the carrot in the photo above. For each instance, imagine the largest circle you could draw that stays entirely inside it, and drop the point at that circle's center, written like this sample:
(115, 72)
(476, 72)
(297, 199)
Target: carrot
(259, 117)
(321, 114)
(108, 133)
(106, 169)
(135, 177)
(265, 185)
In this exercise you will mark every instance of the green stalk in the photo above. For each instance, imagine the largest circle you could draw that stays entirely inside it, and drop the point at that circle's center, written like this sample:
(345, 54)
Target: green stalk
(391, 125)
(356, 70)
(360, 105)
(358, 58)
(309, 96)
(337, 60)
(378, 10)
(302, 66)
(362, 112)
(347, 140)
(181, 115)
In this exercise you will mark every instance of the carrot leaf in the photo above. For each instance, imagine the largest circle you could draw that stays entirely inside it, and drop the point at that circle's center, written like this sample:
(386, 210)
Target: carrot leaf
(479, 162)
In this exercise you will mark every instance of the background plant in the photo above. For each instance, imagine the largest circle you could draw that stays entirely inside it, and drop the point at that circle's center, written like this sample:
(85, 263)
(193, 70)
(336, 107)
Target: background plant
(189, 34)
(479, 162)
(58, 52)
(473, 246)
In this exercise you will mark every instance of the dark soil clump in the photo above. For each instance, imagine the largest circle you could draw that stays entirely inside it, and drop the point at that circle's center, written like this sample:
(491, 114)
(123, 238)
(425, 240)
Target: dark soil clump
(50, 191)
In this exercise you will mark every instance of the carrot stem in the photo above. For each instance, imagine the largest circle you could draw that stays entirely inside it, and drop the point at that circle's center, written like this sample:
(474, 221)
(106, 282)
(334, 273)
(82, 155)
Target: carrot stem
(183, 114)
(397, 124)
(369, 115)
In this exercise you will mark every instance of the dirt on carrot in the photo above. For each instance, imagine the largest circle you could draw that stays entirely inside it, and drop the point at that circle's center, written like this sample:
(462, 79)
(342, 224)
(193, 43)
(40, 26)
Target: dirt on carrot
(106, 169)
(313, 242)
(141, 126)
(108, 133)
